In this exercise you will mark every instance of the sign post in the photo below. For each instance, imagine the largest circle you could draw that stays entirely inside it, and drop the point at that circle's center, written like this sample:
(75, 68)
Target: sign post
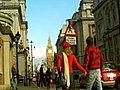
(70, 34)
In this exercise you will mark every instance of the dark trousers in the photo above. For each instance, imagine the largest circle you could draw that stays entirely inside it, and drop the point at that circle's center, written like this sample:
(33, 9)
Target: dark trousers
(48, 82)
(42, 81)
(72, 83)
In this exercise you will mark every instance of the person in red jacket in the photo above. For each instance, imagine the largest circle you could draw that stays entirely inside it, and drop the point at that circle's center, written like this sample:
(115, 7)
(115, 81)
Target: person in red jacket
(93, 61)
(65, 62)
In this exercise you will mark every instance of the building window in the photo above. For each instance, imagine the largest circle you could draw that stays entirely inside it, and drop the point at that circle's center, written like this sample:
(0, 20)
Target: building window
(116, 46)
(110, 49)
(113, 10)
(107, 17)
(99, 32)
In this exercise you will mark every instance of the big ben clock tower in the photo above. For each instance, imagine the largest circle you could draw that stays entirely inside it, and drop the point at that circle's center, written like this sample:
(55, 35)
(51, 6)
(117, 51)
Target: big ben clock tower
(50, 54)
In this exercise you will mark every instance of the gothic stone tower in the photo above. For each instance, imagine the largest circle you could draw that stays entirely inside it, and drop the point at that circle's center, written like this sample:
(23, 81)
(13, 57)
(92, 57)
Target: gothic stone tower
(50, 54)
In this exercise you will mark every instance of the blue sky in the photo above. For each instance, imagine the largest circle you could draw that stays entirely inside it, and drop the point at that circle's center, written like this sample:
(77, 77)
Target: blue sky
(46, 17)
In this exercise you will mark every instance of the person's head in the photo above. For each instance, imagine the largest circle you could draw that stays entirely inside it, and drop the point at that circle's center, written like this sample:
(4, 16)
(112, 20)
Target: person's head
(42, 65)
(67, 48)
(48, 69)
(89, 40)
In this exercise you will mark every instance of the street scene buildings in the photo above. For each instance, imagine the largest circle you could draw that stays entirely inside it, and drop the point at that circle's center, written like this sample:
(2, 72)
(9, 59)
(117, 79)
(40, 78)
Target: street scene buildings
(99, 19)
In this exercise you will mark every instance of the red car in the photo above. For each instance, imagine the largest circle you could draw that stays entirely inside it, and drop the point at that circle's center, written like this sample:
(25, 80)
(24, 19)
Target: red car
(109, 73)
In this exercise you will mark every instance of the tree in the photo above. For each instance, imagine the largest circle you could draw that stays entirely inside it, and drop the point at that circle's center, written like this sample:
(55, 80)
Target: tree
(36, 71)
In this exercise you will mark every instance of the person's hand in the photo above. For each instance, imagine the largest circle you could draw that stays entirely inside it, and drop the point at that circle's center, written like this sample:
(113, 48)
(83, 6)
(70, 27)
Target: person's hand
(85, 73)
(60, 69)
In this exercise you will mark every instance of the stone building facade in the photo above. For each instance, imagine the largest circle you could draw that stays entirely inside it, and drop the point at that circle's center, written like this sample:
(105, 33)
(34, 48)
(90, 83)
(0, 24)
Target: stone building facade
(107, 25)
(12, 20)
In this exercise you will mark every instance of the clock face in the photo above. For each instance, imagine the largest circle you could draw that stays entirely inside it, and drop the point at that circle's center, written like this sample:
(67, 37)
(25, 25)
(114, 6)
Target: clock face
(49, 51)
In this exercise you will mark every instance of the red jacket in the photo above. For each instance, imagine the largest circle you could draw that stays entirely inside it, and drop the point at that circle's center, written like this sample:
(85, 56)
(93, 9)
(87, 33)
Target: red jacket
(93, 58)
(71, 59)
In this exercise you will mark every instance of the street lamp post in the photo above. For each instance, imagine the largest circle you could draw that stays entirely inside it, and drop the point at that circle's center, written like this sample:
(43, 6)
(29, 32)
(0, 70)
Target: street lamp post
(17, 37)
(25, 82)
(32, 57)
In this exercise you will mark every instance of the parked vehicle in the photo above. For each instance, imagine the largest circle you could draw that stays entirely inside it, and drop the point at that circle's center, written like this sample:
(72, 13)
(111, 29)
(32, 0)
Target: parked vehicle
(109, 75)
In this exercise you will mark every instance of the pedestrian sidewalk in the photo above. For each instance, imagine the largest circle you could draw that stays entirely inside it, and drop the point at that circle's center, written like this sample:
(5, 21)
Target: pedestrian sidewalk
(22, 87)
(34, 87)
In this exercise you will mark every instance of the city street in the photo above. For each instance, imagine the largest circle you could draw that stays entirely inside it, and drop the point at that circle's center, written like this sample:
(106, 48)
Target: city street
(34, 87)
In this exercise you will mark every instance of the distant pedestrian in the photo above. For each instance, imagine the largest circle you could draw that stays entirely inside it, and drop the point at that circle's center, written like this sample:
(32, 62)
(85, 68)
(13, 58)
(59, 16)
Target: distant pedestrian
(93, 61)
(48, 77)
(56, 76)
(37, 78)
(42, 78)
(65, 65)
(14, 78)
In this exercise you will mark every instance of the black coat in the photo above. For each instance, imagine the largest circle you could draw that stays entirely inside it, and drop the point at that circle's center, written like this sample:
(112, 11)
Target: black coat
(48, 74)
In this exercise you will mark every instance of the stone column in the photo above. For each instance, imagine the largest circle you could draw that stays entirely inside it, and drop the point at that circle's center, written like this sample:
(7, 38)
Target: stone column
(6, 66)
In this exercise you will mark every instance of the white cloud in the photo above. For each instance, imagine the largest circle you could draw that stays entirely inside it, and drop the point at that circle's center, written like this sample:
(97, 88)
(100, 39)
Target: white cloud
(40, 52)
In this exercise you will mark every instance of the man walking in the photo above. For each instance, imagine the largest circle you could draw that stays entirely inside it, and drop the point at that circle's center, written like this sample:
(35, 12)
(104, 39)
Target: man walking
(93, 61)
(42, 78)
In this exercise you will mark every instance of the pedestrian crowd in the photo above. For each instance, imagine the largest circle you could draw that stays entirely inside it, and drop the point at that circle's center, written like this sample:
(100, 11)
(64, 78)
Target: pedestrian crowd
(64, 73)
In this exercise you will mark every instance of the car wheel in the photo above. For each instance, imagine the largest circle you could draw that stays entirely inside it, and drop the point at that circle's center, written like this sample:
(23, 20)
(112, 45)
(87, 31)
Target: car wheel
(117, 84)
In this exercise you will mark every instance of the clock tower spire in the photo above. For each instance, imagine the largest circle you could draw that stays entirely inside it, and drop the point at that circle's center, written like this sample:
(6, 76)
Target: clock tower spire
(50, 54)
(49, 43)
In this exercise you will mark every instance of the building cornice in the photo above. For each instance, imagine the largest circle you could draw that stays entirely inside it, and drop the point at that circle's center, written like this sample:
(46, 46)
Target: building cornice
(12, 7)
(86, 19)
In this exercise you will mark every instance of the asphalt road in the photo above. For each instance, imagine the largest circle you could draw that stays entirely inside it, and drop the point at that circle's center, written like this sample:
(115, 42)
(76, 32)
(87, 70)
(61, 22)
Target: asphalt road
(53, 87)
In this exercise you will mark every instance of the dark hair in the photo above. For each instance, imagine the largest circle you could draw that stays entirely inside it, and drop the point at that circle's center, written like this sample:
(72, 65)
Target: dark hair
(89, 41)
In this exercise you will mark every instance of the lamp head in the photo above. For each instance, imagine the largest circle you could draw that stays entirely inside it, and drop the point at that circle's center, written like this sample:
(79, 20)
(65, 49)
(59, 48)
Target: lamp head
(17, 37)
(31, 42)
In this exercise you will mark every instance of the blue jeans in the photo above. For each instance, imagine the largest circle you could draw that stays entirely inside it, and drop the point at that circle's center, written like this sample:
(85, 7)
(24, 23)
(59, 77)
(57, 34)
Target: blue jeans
(14, 84)
(94, 77)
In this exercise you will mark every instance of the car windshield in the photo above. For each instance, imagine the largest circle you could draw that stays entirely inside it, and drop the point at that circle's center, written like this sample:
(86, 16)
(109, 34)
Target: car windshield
(108, 66)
